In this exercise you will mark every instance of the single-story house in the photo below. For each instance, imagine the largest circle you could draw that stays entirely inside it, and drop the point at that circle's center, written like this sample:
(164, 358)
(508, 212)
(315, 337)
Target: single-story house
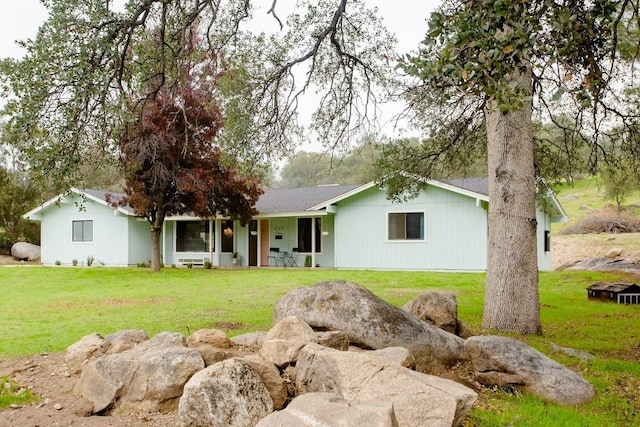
(622, 293)
(334, 226)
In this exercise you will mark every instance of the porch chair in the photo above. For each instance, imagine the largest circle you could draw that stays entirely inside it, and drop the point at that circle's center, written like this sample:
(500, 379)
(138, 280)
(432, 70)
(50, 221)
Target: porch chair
(292, 258)
(274, 255)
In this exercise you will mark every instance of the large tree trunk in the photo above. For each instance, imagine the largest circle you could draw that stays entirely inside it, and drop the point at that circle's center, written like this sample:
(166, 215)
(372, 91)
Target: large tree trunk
(511, 296)
(155, 248)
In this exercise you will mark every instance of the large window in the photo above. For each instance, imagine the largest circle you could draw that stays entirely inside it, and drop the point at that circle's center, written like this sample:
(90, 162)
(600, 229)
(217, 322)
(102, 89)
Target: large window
(192, 236)
(304, 234)
(227, 235)
(82, 231)
(406, 226)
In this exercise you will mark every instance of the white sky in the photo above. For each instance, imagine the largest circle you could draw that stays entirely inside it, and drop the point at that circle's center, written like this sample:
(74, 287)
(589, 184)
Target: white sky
(20, 20)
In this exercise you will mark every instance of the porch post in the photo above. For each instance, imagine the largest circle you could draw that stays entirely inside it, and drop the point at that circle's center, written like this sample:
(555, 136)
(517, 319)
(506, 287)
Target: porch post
(211, 233)
(164, 236)
(313, 241)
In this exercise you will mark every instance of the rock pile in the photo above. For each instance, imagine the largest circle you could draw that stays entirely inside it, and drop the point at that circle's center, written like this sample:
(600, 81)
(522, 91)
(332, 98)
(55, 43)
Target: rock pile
(336, 356)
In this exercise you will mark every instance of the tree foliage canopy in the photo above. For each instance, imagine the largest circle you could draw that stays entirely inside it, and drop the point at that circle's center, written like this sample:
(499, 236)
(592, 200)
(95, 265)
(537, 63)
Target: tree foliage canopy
(582, 84)
(69, 94)
(307, 169)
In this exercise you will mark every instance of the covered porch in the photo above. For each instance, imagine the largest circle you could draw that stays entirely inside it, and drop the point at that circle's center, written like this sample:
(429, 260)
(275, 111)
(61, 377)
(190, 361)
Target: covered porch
(282, 240)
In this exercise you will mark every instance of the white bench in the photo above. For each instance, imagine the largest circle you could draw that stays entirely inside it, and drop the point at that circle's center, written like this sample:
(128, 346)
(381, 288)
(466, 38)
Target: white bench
(192, 261)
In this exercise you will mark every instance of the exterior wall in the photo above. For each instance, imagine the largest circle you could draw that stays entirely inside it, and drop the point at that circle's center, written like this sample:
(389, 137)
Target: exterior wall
(110, 233)
(139, 241)
(455, 233)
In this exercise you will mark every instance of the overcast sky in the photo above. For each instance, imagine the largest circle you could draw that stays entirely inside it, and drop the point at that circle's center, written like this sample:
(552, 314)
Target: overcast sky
(20, 20)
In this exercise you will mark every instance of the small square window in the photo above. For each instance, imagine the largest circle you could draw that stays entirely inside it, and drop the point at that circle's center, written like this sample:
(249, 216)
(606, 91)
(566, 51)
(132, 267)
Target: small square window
(406, 226)
(82, 231)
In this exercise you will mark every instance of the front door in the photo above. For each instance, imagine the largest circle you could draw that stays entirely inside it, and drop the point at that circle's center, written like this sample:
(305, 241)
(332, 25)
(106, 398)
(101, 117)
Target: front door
(264, 242)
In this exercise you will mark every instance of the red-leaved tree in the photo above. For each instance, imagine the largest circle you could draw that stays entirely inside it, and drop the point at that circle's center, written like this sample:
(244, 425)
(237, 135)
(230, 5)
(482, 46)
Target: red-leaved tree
(172, 165)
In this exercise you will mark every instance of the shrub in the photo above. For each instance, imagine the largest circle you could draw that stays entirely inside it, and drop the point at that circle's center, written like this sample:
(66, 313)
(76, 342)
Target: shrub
(607, 220)
(207, 265)
(58, 262)
(74, 262)
(90, 260)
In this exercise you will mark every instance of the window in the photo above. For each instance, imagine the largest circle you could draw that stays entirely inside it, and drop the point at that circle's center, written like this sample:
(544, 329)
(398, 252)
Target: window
(547, 241)
(406, 226)
(192, 236)
(227, 235)
(304, 235)
(82, 231)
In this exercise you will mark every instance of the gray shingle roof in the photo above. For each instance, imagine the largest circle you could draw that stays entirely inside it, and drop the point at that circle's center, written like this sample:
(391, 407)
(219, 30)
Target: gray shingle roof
(279, 200)
(477, 185)
(102, 195)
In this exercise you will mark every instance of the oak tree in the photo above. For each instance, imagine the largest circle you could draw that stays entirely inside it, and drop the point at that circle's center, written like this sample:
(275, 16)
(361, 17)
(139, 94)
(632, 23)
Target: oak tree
(482, 72)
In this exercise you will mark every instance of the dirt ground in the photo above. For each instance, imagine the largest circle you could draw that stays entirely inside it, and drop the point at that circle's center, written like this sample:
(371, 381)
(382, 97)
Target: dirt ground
(48, 377)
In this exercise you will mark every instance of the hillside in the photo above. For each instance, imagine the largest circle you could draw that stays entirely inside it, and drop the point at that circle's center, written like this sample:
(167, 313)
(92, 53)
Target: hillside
(585, 201)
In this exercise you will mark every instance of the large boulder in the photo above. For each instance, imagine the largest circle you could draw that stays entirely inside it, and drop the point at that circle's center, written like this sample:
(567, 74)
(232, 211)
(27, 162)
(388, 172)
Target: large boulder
(228, 393)
(270, 376)
(330, 410)
(250, 339)
(149, 376)
(333, 339)
(418, 399)
(87, 348)
(436, 308)
(395, 356)
(125, 340)
(370, 322)
(213, 337)
(506, 361)
(25, 251)
(285, 340)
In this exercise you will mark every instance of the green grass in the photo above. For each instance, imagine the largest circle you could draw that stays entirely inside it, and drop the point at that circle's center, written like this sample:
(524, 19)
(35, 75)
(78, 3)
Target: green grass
(48, 309)
(12, 393)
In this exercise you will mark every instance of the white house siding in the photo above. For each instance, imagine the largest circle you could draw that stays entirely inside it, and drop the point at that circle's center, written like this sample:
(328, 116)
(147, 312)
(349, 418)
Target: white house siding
(110, 234)
(139, 241)
(455, 233)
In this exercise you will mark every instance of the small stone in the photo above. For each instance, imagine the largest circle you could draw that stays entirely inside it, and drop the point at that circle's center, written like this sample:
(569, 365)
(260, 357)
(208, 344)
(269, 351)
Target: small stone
(66, 374)
(14, 406)
(57, 406)
(48, 401)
